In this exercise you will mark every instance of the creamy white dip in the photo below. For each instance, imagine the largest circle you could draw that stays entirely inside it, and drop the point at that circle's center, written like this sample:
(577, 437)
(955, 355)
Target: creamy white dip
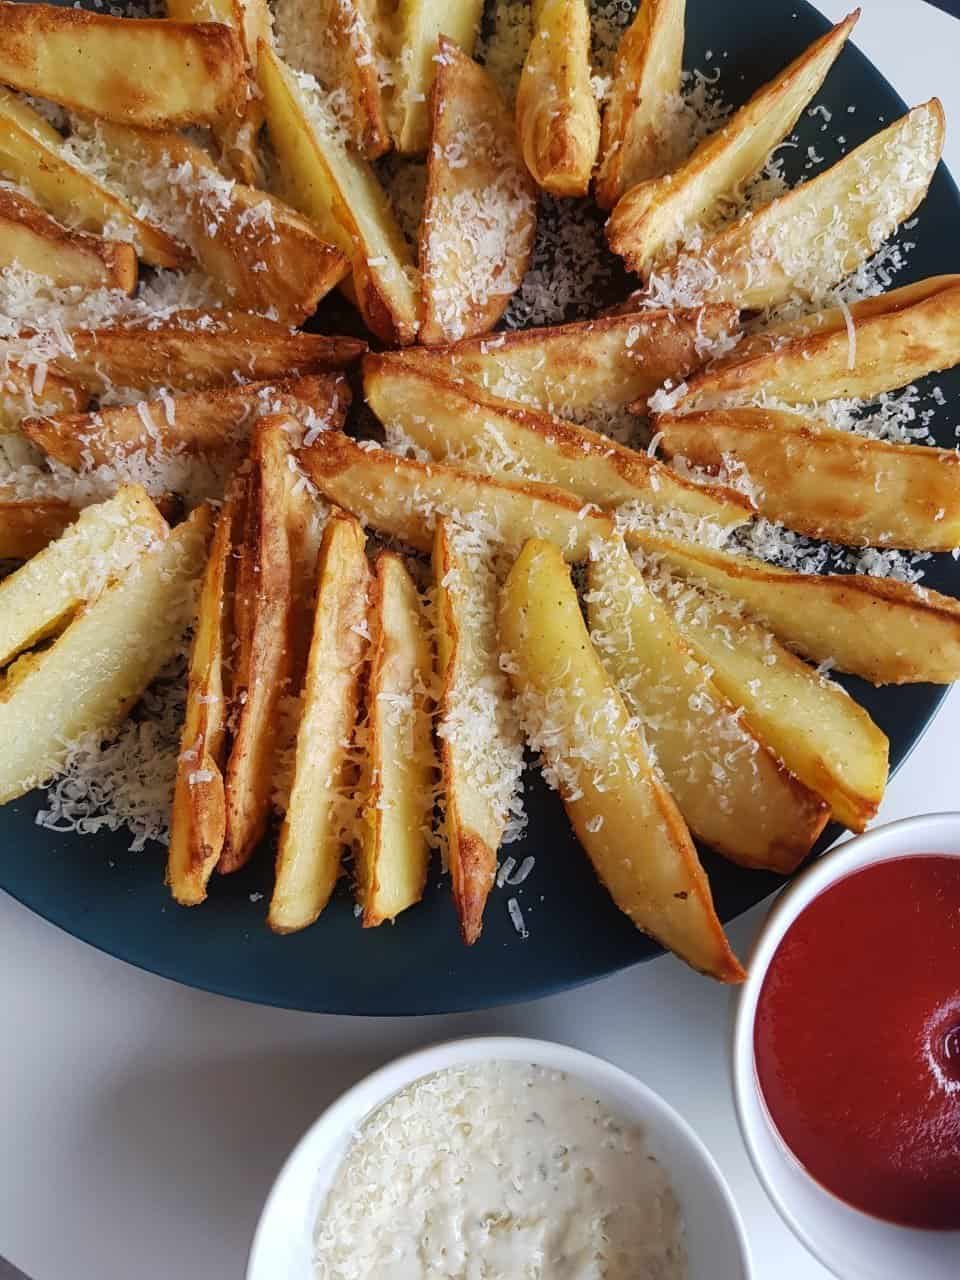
(499, 1171)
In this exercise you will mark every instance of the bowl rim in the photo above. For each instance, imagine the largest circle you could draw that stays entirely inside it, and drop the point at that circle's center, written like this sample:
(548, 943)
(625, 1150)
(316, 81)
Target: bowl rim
(397, 1073)
(897, 839)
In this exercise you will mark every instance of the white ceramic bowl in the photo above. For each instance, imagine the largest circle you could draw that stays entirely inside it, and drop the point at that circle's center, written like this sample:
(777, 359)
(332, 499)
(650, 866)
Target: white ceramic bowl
(716, 1243)
(852, 1244)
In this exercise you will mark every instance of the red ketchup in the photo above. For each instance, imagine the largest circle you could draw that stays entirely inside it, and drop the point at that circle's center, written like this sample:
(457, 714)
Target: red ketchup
(857, 1040)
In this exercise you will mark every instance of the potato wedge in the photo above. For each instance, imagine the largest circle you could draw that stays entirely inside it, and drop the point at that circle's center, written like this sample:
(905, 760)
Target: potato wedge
(32, 154)
(730, 787)
(198, 824)
(588, 370)
(818, 233)
(622, 814)
(28, 391)
(97, 669)
(826, 483)
(38, 243)
(26, 527)
(403, 498)
(481, 748)
(397, 807)
(886, 631)
(320, 819)
(340, 193)
(825, 738)
(418, 24)
(653, 217)
(41, 597)
(214, 423)
(138, 71)
(495, 437)
(480, 212)
(646, 75)
(558, 122)
(891, 341)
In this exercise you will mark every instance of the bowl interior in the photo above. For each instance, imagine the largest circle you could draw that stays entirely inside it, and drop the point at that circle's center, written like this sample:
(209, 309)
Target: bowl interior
(715, 1239)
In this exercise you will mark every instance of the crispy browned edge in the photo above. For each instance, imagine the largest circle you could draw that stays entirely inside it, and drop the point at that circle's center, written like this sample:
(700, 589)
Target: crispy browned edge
(118, 259)
(27, 527)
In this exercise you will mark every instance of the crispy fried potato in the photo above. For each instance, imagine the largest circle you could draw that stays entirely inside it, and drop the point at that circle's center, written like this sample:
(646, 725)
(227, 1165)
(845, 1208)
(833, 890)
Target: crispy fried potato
(93, 674)
(198, 823)
(588, 370)
(646, 75)
(214, 423)
(398, 793)
(38, 243)
(28, 391)
(26, 527)
(887, 631)
(812, 723)
(340, 193)
(138, 71)
(418, 24)
(891, 341)
(495, 437)
(319, 818)
(31, 153)
(823, 230)
(729, 785)
(826, 483)
(652, 218)
(624, 817)
(480, 212)
(40, 598)
(558, 122)
(402, 498)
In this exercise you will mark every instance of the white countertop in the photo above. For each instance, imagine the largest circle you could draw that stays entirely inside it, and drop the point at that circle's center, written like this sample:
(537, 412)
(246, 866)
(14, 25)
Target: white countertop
(143, 1122)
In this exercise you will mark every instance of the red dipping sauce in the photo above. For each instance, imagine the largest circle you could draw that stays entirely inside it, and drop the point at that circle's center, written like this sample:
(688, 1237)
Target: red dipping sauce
(857, 1040)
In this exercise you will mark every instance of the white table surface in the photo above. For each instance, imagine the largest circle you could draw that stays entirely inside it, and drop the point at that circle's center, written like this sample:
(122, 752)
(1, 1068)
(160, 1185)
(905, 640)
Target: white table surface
(142, 1123)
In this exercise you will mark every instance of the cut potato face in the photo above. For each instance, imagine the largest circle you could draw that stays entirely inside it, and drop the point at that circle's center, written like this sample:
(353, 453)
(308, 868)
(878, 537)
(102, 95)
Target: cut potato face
(97, 669)
(397, 808)
(137, 71)
(480, 214)
(624, 817)
(886, 631)
(417, 26)
(652, 218)
(403, 499)
(558, 123)
(829, 484)
(340, 194)
(105, 540)
(68, 259)
(810, 722)
(494, 437)
(320, 819)
(26, 527)
(646, 77)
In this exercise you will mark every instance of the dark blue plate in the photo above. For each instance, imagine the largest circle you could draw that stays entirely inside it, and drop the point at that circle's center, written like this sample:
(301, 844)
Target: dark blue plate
(116, 900)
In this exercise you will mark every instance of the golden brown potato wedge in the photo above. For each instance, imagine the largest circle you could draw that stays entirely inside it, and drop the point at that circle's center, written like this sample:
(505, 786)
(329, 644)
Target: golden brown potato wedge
(398, 790)
(403, 498)
(480, 212)
(558, 122)
(729, 785)
(481, 749)
(32, 154)
(889, 342)
(340, 193)
(97, 669)
(495, 437)
(653, 216)
(818, 233)
(418, 24)
(887, 631)
(320, 818)
(213, 423)
(826, 483)
(40, 598)
(624, 817)
(38, 243)
(32, 390)
(26, 527)
(138, 71)
(812, 723)
(646, 75)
